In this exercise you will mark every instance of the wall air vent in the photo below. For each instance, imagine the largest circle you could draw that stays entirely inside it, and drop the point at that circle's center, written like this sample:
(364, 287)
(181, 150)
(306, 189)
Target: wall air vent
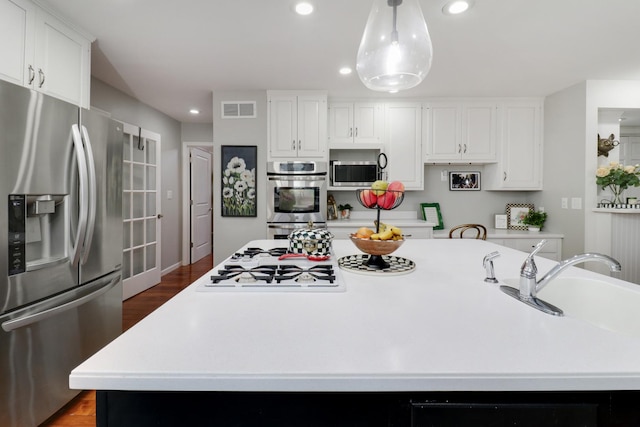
(238, 109)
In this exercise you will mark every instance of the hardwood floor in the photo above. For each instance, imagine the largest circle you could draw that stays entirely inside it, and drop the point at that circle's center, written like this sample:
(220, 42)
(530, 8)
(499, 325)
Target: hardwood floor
(81, 411)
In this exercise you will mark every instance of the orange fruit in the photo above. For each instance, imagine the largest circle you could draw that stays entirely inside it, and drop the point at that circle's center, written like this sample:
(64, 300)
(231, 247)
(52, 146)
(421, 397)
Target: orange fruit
(364, 232)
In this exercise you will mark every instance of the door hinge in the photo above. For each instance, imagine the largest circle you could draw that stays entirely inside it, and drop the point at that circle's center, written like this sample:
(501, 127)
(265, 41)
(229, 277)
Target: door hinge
(191, 244)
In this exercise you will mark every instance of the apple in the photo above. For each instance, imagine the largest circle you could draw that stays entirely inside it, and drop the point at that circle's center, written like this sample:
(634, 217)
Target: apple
(387, 199)
(396, 186)
(379, 187)
(368, 198)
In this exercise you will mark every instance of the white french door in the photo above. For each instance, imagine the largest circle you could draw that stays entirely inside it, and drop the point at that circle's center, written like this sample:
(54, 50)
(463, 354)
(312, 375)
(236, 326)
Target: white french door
(201, 209)
(141, 210)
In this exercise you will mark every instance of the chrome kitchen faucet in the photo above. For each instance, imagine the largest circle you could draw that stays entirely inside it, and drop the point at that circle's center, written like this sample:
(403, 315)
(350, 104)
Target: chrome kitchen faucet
(529, 287)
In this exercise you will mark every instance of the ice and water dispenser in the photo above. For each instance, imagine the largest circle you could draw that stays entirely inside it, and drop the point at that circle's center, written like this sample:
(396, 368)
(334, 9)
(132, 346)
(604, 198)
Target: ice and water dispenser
(37, 231)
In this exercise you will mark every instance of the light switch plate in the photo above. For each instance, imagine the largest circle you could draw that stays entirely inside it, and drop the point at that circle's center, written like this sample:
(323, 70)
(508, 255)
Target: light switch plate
(576, 203)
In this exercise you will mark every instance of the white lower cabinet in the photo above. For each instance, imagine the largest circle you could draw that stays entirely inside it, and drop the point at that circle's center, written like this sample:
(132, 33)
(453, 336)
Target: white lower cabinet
(519, 164)
(41, 52)
(551, 250)
(403, 147)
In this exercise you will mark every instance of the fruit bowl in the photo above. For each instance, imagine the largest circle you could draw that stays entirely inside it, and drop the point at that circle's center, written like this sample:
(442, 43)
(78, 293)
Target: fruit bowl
(376, 247)
(381, 199)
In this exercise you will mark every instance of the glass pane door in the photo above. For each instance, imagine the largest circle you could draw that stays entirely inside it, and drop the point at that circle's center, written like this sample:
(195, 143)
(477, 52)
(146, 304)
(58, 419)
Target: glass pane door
(141, 208)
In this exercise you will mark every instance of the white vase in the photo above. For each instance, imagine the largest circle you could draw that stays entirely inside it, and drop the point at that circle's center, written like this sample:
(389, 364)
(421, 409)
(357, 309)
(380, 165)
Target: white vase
(533, 228)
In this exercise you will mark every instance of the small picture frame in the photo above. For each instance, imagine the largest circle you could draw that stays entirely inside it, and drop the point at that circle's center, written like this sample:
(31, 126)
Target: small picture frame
(501, 221)
(431, 213)
(515, 213)
(464, 181)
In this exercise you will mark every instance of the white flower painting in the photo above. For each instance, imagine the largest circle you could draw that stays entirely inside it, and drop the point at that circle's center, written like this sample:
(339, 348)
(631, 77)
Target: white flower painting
(239, 180)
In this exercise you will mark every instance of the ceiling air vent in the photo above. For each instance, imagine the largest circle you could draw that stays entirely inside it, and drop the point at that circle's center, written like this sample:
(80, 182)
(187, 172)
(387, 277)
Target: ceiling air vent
(238, 109)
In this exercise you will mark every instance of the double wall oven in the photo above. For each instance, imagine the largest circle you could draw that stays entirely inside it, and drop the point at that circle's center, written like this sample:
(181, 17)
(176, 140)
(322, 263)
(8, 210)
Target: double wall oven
(296, 194)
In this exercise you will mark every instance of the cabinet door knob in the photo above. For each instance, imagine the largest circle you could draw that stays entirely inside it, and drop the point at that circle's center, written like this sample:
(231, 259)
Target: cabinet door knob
(293, 145)
(41, 73)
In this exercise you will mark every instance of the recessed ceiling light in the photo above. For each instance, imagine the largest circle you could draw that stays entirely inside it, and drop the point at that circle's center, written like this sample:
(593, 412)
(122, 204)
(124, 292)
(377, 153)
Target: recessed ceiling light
(304, 8)
(345, 70)
(194, 111)
(455, 7)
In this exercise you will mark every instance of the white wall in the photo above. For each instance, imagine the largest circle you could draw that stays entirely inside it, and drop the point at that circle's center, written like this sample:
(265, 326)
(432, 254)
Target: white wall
(197, 132)
(564, 160)
(127, 109)
(230, 233)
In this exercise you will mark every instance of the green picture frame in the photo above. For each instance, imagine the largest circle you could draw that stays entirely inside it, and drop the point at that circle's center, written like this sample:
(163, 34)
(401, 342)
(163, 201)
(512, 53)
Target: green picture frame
(431, 213)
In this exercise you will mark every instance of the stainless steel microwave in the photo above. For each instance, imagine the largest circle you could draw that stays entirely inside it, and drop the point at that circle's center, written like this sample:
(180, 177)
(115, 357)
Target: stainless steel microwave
(353, 173)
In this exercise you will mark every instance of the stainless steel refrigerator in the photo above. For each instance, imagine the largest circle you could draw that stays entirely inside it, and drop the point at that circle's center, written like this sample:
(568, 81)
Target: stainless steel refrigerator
(60, 247)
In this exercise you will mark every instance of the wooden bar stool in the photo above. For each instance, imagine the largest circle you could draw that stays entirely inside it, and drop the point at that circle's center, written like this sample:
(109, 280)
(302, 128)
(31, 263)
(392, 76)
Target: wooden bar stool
(481, 231)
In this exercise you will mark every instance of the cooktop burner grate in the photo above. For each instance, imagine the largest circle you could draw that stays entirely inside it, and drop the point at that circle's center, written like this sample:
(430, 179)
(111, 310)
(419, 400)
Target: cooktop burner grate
(297, 273)
(241, 274)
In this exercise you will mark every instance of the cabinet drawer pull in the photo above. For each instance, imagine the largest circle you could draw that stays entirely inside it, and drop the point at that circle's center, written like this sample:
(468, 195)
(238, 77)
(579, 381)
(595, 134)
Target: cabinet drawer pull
(504, 176)
(459, 148)
(299, 145)
(465, 148)
(293, 145)
(356, 132)
(350, 132)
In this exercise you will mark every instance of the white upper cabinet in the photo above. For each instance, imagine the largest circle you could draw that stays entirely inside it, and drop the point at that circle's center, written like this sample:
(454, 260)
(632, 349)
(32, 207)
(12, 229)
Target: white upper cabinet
(41, 52)
(403, 147)
(355, 125)
(297, 123)
(460, 132)
(17, 23)
(519, 164)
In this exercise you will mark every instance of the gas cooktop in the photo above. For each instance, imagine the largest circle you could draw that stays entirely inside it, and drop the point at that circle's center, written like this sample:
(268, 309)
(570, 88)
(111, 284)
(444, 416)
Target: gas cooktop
(256, 269)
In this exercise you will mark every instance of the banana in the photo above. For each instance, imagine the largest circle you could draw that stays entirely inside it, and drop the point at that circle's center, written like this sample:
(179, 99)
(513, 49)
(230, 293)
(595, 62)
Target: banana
(387, 235)
(381, 226)
(396, 230)
(375, 236)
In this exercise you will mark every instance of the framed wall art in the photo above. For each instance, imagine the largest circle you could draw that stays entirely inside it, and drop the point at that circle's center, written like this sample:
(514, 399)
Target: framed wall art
(431, 213)
(515, 213)
(239, 180)
(464, 181)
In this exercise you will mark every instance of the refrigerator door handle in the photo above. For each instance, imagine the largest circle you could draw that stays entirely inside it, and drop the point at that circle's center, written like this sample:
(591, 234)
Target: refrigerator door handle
(84, 195)
(20, 322)
(91, 219)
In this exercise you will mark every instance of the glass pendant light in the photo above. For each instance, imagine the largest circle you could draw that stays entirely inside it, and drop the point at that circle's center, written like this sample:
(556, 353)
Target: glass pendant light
(395, 52)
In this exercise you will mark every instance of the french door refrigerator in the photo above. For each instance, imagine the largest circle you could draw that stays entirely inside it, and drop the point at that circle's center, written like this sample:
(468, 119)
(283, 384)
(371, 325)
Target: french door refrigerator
(60, 247)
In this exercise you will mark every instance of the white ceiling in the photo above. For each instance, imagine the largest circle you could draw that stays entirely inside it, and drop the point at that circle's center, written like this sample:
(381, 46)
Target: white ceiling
(171, 55)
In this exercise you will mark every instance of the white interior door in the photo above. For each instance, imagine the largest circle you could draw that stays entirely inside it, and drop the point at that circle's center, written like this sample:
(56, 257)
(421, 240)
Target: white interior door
(141, 210)
(201, 209)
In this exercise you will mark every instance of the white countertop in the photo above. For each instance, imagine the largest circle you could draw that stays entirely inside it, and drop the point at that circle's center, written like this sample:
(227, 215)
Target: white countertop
(367, 218)
(439, 328)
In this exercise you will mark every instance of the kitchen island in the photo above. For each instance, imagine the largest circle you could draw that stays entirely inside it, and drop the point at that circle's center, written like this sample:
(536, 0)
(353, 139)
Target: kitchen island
(386, 351)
